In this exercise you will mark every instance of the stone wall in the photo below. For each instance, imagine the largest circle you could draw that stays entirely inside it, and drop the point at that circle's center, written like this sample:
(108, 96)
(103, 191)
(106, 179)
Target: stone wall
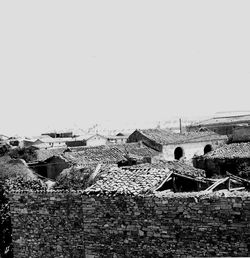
(64, 224)
(5, 225)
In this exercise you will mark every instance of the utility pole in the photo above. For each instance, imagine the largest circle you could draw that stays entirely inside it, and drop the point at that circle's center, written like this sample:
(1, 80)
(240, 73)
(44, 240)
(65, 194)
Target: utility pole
(180, 126)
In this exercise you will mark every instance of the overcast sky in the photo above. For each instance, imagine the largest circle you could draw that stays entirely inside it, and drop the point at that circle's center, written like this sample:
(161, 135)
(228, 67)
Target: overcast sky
(65, 63)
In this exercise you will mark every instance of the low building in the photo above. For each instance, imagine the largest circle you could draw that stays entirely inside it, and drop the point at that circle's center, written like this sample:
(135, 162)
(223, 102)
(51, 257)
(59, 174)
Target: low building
(174, 176)
(116, 139)
(59, 134)
(240, 134)
(46, 142)
(96, 140)
(233, 158)
(178, 146)
(50, 162)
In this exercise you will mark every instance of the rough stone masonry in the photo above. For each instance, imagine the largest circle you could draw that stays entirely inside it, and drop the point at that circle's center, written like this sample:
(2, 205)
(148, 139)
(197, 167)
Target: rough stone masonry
(73, 224)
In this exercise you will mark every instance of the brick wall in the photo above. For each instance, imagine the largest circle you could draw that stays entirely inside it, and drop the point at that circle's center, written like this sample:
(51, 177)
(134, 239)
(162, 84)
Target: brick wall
(71, 224)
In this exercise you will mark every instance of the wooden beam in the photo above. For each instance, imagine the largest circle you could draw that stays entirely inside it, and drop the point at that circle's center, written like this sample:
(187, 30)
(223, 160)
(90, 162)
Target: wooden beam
(165, 180)
(190, 178)
(219, 182)
(237, 178)
(237, 189)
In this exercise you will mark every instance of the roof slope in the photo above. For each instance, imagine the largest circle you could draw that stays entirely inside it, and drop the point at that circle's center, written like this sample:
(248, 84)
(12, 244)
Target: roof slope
(95, 154)
(136, 148)
(108, 153)
(167, 137)
(230, 151)
(130, 181)
(141, 179)
(44, 154)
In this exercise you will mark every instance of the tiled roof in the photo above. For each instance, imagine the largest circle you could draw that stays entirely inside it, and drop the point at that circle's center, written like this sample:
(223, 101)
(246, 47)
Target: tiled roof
(167, 137)
(136, 148)
(183, 169)
(134, 181)
(230, 151)
(44, 154)
(108, 153)
(140, 179)
(95, 154)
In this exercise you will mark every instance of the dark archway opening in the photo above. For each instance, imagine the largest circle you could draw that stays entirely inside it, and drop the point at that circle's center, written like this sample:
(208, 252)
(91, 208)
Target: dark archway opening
(178, 153)
(207, 148)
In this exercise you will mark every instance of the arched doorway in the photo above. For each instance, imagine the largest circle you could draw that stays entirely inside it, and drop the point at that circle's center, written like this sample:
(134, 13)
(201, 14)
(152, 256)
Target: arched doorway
(178, 153)
(207, 148)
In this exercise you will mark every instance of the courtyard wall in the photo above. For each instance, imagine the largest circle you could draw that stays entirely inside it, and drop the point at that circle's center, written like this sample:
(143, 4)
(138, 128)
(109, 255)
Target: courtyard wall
(73, 224)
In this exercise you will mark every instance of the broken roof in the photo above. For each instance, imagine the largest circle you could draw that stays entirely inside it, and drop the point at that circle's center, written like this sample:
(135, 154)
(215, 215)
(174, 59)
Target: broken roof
(141, 179)
(44, 154)
(230, 151)
(167, 137)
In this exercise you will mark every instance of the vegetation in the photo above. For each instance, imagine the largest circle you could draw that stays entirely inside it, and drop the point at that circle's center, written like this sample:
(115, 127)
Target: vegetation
(27, 154)
(73, 179)
(14, 175)
(243, 170)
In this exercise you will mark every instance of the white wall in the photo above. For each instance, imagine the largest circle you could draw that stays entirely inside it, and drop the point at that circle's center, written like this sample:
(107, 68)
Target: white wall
(190, 149)
(96, 140)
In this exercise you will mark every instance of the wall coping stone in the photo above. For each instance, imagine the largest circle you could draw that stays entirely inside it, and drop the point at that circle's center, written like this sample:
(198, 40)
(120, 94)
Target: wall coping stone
(158, 195)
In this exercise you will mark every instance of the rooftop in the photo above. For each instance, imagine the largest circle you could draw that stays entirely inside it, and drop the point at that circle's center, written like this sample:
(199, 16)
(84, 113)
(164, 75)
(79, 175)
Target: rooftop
(108, 153)
(44, 154)
(141, 179)
(230, 151)
(136, 148)
(95, 154)
(167, 137)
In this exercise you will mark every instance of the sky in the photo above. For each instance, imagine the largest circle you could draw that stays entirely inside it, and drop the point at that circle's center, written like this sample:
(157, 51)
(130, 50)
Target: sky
(76, 63)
